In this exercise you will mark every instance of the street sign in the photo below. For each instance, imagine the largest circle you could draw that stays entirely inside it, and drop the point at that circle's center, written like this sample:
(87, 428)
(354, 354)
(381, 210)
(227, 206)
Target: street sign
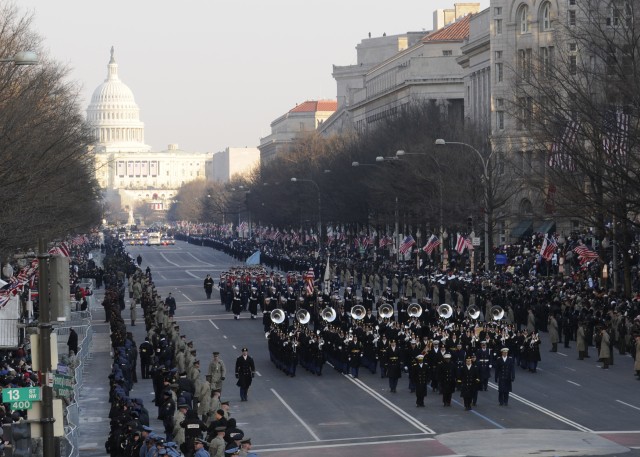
(475, 241)
(27, 394)
(21, 405)
(63, 385)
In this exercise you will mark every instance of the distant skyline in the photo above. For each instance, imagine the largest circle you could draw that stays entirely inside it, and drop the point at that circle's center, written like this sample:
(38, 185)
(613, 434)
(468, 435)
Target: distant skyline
(210, 75)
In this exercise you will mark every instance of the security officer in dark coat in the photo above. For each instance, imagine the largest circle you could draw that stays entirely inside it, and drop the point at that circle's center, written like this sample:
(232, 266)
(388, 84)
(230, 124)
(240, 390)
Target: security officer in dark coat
(208, 286)
(505, 375)
(166, 411)
(146, 358)
(245, 371)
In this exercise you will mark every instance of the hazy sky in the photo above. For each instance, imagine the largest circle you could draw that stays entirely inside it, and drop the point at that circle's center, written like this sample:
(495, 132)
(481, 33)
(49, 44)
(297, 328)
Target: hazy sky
(208, 74)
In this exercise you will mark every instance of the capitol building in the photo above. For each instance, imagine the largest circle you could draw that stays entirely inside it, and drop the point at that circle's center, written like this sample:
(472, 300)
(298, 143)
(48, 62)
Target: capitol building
(132, 176)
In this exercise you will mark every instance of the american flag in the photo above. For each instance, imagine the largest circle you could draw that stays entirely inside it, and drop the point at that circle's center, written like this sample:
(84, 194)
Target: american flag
(549, 246)
(308, 280)
(585, 254)
(406, 244)
(560, 156)
(432, 243)
(365, 242)
(243, 226)
(616, 136)
(463, 243)
(385, 241)
(295, 237)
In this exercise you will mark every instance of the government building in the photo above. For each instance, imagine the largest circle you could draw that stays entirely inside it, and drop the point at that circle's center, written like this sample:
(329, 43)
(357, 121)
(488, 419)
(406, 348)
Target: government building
(132, 176)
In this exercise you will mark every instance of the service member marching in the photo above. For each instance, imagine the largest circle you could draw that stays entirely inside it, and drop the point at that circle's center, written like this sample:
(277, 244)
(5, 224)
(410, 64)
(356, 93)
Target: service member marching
(245, 371)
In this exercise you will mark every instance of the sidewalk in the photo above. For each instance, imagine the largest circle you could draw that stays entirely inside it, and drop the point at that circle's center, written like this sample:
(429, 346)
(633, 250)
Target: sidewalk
(94, 401)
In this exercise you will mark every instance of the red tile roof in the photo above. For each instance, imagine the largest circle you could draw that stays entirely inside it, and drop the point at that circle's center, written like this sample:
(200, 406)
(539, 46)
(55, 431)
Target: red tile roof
(311, 106)
(456, 31)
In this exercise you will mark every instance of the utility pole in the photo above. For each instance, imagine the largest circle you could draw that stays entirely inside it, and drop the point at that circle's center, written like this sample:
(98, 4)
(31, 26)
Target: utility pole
(44, 319)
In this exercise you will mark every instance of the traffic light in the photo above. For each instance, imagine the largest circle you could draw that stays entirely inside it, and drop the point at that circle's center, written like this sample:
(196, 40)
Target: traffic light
(21, 439)
(470, 223)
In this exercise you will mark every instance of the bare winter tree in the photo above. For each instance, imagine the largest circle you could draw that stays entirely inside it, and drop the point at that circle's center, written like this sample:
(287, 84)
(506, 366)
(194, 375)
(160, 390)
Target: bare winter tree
(46, 179)
(579, 101)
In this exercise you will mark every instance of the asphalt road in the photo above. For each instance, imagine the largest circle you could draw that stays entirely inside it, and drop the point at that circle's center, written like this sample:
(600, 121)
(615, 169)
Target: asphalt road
(569, 407)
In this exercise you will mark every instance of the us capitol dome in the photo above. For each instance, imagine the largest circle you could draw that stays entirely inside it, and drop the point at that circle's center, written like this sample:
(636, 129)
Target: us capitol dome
(115, 116)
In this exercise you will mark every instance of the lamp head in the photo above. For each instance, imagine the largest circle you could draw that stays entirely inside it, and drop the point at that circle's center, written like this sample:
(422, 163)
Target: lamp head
(400, 153)
(294, 179)
(379, 159)
(355, 164)
(440, 141)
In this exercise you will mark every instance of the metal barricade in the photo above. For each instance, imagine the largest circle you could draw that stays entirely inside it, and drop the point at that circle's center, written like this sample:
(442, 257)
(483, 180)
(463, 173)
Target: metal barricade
(69, 443)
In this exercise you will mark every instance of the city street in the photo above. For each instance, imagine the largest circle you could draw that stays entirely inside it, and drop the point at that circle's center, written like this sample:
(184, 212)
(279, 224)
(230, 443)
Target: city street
(569, 407)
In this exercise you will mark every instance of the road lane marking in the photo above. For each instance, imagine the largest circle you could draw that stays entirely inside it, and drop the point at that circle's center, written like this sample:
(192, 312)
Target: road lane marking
(315, 437)
(574, 383)
(201, 261)
(169, 261)
(338, 445)
(257, 372)
(191, 274)
(400, 412)
(186, 297)
(627, 404)
(224, 336)
(569, 368)
(546, 411)
(355, 438)
(563, 355)
(482, 416)
(214, 324)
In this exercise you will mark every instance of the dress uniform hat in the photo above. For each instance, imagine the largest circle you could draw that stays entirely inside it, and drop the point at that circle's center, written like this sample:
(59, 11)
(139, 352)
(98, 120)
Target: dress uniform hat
(146, 428)
(200, 440)
(226, 402)
(419, 357)
(183, 405)
(245, 349)
(504, 350)
(233, 450)
(246, 440)
(216, 353)
(447, 356)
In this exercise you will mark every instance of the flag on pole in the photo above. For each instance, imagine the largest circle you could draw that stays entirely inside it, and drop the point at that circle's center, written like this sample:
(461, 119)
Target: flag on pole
(432, 243)
(406, 244)
(254, 259)
(549, 246)
(463, 243)
(308, 281)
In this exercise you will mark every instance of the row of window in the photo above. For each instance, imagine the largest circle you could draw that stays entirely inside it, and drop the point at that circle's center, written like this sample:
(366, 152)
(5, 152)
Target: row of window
(619, 12)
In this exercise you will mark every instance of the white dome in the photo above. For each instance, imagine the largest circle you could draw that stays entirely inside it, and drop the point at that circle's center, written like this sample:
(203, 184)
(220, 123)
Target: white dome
(114, 114)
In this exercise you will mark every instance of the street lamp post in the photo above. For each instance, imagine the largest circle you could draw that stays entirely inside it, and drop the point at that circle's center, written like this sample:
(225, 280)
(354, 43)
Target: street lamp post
(319, 208)
(485, 185)
(44, 318)
(400, 153)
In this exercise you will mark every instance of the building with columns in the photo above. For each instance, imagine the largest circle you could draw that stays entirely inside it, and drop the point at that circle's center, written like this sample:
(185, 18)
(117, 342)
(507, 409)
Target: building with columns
(295, 124)
(132, 176)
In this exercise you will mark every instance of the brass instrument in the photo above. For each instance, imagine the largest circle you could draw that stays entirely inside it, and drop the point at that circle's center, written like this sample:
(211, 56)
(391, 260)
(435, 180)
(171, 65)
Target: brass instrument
(386, 310)
(278, 316)
(358, 312)
(414, 310)
(445, 311)
(328, 314)
(473, 312)
(497, 313)
(303, 316)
